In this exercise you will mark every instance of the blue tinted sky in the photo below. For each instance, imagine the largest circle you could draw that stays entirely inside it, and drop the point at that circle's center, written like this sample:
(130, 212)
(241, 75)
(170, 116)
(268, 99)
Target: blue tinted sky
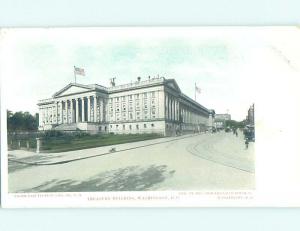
(226, 63)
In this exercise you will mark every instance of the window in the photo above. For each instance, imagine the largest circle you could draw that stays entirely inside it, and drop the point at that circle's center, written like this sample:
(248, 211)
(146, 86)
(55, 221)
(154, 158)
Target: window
(130, 116)
(123, 126)
(130, 97)
(137, 96)
(110, 126)
(153, 94)
(130, 127)
(152, 125)
(118, 99)
(117, 126)
(145, 125)
(137, 127)
(145, 95)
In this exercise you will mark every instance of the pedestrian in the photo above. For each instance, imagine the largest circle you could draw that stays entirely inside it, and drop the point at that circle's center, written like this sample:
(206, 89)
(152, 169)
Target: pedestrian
(247, 143)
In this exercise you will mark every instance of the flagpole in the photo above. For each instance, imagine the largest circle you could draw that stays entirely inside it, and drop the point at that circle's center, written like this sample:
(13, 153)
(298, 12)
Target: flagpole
(74, 74)
(195, 93)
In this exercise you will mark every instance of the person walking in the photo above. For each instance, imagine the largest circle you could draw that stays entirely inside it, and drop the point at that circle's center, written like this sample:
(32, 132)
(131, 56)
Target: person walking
(247, 143)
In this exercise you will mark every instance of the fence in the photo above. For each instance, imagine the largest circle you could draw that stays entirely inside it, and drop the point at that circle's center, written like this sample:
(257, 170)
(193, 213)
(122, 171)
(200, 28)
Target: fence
(57, 141)
(32, 140)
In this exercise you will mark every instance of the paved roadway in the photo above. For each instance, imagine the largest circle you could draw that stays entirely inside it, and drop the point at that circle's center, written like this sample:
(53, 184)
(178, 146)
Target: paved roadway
(199, 162)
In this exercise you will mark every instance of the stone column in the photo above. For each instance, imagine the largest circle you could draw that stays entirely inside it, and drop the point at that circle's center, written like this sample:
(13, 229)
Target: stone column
(100, 109)
(103, 110)
(174, 110)
(95, 108)
(82, 110)
(169, 108)
(88, 109)
(72, 111)
(56, 113)
(61, 112)
(166, 106)
(177, 110)
(77, 110)
(67, 112)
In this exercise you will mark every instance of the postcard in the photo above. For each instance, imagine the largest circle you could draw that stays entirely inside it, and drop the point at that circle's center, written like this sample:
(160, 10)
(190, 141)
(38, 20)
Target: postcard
(150, 117)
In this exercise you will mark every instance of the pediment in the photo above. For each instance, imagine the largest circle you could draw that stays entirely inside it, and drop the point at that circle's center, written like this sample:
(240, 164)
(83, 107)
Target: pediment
(72, 89)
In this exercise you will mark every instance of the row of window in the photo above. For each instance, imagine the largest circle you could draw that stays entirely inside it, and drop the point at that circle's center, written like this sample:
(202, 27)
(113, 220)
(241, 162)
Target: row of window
(130, 126)
(136, 96)
(137, 108)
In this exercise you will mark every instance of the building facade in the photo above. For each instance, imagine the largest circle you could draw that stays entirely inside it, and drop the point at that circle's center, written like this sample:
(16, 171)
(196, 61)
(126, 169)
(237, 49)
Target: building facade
(250, 116)
(153, 106)
(220, 120)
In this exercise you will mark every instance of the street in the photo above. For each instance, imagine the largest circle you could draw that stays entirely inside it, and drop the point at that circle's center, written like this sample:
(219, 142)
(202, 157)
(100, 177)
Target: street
(206, 161)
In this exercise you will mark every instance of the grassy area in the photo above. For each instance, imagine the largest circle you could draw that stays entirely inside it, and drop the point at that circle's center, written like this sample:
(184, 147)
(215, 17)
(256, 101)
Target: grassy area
(69, 143)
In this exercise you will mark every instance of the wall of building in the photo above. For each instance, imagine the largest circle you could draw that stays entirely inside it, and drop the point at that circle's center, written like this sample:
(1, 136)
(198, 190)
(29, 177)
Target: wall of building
(156, 108)
(138, 127)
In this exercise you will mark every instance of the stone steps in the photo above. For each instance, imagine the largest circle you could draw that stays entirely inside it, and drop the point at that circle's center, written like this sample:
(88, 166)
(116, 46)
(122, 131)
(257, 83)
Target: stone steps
(66, 127)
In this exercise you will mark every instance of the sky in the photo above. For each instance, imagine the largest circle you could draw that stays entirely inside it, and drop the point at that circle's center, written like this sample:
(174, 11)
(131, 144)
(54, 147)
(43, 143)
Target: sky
(226, 63)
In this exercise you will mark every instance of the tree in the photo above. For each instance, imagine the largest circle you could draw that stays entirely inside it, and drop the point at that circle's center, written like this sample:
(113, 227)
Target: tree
(21, 121)
(234, 124)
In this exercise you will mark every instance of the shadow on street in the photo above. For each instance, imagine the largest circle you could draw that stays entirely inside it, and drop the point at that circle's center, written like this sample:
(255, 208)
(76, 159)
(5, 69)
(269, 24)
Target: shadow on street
(133, 178)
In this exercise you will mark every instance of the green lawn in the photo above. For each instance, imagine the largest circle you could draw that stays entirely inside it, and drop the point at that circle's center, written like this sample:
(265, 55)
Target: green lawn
(69, 143)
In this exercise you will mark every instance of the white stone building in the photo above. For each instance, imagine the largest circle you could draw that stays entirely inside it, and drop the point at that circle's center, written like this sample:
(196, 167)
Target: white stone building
(152, 106)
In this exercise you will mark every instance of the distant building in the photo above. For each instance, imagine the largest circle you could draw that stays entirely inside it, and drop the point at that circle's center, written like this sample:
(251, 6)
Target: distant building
(155, 105)
(223, 117)
(220, 120)
(250, 117)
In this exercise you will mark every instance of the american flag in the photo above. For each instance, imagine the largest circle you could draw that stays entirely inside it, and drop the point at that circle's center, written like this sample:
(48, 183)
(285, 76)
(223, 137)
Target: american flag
(79, 71)
(197, 89)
